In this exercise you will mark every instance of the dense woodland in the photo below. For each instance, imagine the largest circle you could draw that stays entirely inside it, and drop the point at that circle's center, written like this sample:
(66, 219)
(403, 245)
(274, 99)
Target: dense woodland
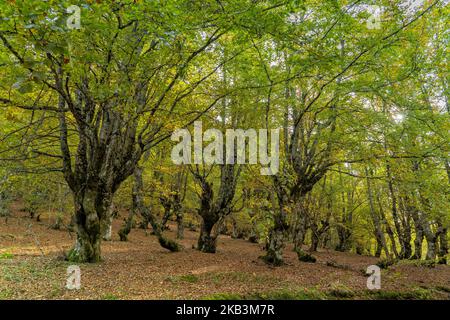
(87, 116)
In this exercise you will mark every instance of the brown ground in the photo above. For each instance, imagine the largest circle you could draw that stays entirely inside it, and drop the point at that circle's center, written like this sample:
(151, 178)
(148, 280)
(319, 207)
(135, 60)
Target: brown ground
(31, 268)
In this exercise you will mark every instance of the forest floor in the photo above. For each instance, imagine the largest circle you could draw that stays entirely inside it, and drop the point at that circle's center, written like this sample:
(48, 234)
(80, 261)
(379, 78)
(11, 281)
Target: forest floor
(31, 267)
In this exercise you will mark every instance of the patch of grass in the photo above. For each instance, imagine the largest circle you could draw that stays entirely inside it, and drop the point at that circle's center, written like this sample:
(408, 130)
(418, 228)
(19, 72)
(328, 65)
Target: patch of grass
(415, 294)
(11, 274)
(283, 294)
(28, 271)
(289, 294)
(189, 278)
(109, 296)
(6, 255)
(5, 294)
(56, 292)
(337, 292)
(340, 291)
(426, 263)
(418, 263)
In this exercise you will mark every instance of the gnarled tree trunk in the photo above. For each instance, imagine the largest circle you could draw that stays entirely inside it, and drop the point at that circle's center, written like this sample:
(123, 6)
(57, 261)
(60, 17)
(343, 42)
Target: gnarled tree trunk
(207, 241)
(275, 243)
(90, 213)
(214, 210)
(277, 234)
(443, 245)
(177, 209)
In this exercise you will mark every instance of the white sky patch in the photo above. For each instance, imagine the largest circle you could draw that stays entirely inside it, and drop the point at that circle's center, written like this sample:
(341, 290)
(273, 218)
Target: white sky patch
(398, 117)
(295, 18)
(411, 6)
(299, 17)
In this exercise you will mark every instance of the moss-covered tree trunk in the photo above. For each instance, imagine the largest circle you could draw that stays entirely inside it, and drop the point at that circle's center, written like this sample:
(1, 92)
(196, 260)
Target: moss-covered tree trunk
(314, 238)
(212, 209)
(126, 228)
(207, 242)
(443, 246)
(276, 238)
(90, 212)
(180, 220)
(299, 231)
(430, 236)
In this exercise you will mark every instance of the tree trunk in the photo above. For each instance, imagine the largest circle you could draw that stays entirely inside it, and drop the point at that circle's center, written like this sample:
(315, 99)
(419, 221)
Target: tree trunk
(180, 220)
(314, 238)
(405, 246)
(300, 230)
(430, 237)
(443, 246)
(128, 224)
(214, 210)
(388, 229)
(107, 226)
(275, 244)
(407, 237)
(379, 235)
(418, 240)
(275, 247)
(207, 242)
(126, 228)
(344, 229)
(167, 213)
(90, 212)
(379, 247)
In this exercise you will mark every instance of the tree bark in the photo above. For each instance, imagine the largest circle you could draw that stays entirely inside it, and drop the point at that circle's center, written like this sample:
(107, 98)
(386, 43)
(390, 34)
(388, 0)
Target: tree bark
(418, 239)
(379, 235)
(180, 220)
(277, 234)
(314, 237)
(107, 226)
(388, 228)
(214, 210)
(90, 211)
(275, 244)
(207, 242)
(443, 246)
(126, 228)
(430, 237)
(300, 229)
